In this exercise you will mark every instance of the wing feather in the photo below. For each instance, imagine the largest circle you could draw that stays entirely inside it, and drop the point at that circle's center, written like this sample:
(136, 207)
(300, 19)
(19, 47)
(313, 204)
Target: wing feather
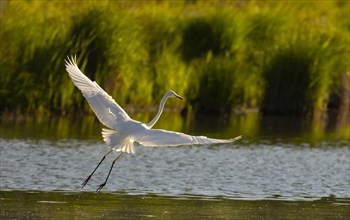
(105, 108)
(158, 138)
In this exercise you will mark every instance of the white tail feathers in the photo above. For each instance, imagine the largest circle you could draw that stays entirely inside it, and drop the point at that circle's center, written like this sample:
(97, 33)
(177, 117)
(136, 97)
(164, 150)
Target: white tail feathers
(129, 148)
(118, 143)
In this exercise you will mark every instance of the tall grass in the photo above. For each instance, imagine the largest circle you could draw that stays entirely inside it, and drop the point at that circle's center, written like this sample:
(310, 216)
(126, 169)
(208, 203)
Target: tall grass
(215, 93)
(282, 58)
(304, 70)
(213, 33)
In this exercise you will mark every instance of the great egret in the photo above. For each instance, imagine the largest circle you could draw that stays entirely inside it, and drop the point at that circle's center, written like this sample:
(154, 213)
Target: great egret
(124, 131)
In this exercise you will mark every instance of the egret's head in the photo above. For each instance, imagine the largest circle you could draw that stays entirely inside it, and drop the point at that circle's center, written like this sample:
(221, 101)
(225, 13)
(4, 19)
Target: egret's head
(171, 93)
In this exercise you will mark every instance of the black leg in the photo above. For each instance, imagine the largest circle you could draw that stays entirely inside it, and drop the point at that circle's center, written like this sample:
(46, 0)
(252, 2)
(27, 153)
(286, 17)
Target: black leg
(103, 184)
(89, 177)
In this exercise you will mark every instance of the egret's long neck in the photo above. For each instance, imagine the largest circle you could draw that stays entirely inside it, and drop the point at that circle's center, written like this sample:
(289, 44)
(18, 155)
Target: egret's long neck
(160, 110)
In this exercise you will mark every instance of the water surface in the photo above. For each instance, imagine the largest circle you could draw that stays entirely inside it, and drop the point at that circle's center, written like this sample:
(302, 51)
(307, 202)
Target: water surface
(255, 171)
(265, 175)
(88, 205)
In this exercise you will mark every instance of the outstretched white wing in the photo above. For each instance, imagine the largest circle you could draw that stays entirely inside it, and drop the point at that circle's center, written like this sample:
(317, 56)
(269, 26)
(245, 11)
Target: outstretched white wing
(158, 138)
(106, 109)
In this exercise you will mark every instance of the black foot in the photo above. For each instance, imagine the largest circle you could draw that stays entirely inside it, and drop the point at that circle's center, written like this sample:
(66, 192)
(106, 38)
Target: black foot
(100, 187)
(85, 182)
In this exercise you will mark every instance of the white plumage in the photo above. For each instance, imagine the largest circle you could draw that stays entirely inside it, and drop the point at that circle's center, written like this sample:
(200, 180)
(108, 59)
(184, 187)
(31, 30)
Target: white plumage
(124, 130)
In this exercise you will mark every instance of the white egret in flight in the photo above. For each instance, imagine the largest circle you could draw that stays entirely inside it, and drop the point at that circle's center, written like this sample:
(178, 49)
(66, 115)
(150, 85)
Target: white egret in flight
(124, 131)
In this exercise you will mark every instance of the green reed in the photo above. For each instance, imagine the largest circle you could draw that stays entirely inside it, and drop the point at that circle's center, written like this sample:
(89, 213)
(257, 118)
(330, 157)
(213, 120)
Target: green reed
(282, 58)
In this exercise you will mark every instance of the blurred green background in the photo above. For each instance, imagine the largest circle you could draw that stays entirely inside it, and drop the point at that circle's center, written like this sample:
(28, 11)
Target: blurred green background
(278, 58)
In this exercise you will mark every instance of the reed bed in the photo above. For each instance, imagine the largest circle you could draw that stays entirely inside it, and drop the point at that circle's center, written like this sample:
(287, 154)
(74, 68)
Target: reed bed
(283, 58)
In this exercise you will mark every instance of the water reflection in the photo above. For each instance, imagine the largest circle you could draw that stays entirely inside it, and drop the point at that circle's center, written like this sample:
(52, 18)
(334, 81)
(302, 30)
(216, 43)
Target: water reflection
(65, 205)
(273, 172)
(252, 126)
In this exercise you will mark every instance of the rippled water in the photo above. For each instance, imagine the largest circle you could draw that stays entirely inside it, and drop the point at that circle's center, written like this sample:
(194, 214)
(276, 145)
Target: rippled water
(274, 172)
(254, 171)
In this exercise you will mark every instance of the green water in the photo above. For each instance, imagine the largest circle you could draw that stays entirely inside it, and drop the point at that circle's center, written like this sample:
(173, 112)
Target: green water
(282, 169)
(85, 205)
(252, 126)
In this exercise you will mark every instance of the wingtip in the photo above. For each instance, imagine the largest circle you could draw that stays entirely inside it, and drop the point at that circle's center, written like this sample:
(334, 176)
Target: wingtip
(236, 138)
(71, 60)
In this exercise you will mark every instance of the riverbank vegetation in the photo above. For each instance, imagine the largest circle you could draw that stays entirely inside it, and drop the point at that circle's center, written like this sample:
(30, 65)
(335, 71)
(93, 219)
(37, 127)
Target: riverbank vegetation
(285, 58)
